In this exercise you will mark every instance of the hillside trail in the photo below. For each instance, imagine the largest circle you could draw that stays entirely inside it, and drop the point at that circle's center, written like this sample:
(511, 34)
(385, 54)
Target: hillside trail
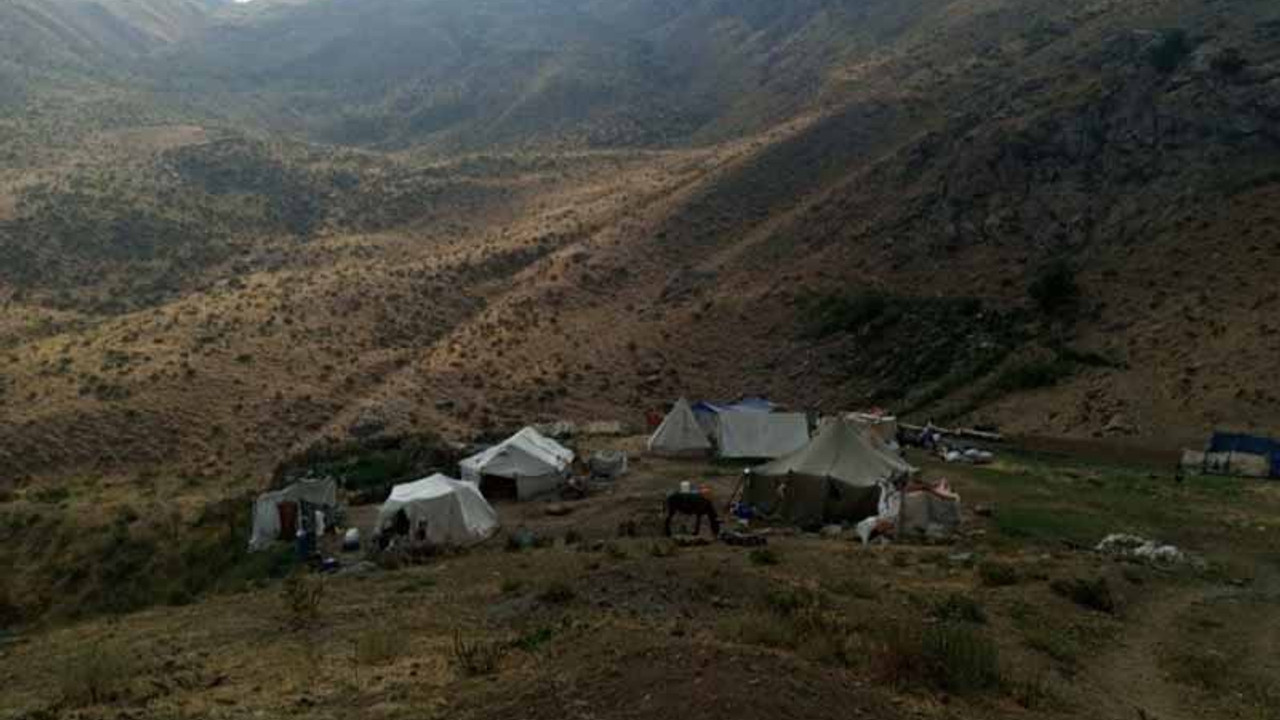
(1131, 675)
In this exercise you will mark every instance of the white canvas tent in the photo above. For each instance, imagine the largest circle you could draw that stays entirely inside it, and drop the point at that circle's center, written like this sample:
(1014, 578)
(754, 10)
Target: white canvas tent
(679, 433)
(883, 427)
(834, 477)
(267, 525)
(440, 511)
(523, 466)
(756, 435)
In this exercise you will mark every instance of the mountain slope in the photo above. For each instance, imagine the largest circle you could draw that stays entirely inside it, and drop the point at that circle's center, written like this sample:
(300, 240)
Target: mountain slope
(468, 75)
(968, 209)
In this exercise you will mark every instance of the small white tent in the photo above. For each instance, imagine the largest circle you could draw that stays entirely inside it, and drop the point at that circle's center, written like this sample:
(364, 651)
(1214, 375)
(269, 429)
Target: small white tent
(267, 524)
(523, 466)
(749, 434)
(441, 511)
(679, 433)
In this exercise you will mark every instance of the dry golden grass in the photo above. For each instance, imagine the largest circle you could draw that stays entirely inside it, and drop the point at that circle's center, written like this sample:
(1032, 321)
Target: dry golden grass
(612, 628)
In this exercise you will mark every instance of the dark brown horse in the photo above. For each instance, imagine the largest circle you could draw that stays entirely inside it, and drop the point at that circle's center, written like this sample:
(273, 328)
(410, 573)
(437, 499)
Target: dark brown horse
(692, 504)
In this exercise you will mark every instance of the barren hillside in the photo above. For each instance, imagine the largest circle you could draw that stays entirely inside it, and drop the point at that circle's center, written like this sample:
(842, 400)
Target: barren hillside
(1055, 217)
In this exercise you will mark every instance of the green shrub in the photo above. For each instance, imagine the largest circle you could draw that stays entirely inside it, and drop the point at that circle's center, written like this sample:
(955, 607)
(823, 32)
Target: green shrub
(789, 601)
(960, 608)
(558, 592)
(1054, 643)
(1032, 691)
(97, 675)
(534, 639)
(837, 314)
(1167, 53)
(381, 645)
(302, 595)
(1055, 291)
(1032, 375)
(961, 658)
(1093, 594)
(764, 556)
(477, 657)
(417, 585)
(663, 549)
(997, 574)
(949, 656)
(1229, 61)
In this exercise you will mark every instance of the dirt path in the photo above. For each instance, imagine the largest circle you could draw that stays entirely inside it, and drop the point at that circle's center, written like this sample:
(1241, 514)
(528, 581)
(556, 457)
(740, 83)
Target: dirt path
(1131, 676)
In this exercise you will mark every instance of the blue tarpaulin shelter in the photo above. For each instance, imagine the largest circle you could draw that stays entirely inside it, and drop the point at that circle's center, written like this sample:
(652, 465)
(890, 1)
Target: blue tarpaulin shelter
(1241, 444)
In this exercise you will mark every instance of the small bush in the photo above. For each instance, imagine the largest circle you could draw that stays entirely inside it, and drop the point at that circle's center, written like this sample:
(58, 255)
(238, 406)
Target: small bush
(1093, 594)
(1055, 291)
(1031, 692)
(511, 586)
(417, 585)
(854, 587)
(788, 601)
(948, 656)
(478, 657)
(381, 645)
(962, 658)
(533, 640)
(764, 556)
(960, 608)
(1167, 53)
(614, 551)
(98, 675)
(557, 593)
(1055, 644)
(302, 595)
(996, 574)
(836, 314)
(1228, 62)
(662, 549)
(51, 496)
(1032, 375)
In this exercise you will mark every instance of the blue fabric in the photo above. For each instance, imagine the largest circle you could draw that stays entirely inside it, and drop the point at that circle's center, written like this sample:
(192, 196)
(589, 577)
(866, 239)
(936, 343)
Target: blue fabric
(757, 404)
(1251, 444)
(707, 408)
(1275, 464)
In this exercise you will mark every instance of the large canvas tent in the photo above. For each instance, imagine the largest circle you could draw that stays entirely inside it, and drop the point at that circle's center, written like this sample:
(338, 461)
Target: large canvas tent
(679, 433)
(760, 435)
(708, 413)
(883, 428)
(440, 511)
(834, 477)
(523, 466)
(276, 514)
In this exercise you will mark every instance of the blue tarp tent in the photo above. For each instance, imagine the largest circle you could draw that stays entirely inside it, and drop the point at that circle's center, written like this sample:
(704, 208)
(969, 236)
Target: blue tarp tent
(1241, 444)
(1238, 443)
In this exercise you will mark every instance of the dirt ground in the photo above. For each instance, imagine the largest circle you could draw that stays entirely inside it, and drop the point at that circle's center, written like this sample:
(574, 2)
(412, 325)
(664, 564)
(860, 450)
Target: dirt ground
(602, 626)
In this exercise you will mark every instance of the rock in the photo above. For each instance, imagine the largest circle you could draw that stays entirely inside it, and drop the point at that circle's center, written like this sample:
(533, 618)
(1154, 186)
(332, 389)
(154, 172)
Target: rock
(558, 509)
(964, 559)
(984, 510)
(832, 531)
(1119, 425)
